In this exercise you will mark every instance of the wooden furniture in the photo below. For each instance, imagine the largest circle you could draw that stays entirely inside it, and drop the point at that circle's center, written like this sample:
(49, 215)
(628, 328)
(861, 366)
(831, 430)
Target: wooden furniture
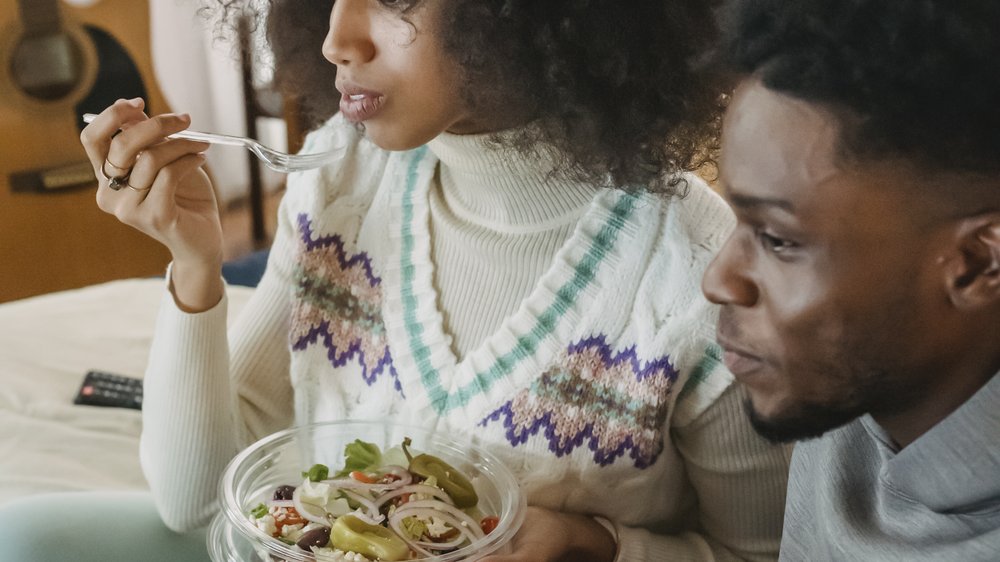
(56, 63)
(263, 101)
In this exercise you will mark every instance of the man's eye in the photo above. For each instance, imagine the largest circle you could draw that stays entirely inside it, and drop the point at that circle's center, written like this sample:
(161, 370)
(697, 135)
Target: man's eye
(773, 243)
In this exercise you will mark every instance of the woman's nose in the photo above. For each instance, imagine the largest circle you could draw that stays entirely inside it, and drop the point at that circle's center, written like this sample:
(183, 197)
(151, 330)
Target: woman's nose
(726, 281)
(349, 39)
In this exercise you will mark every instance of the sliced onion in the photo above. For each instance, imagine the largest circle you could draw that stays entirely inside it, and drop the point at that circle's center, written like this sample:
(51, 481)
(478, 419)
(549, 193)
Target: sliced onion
(282, 503)
(440, 506)
(414, 489)
(463, 536)
(465, 533)
(463, 539)
(349, 483)
(352, 484)
(405, 476)
(396, 524)
(368, 504)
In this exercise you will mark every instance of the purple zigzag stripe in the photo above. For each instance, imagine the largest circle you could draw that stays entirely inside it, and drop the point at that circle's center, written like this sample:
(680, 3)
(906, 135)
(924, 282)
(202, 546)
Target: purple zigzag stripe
(311, 243)
(602, 457)
(354, 350)
(628, 355)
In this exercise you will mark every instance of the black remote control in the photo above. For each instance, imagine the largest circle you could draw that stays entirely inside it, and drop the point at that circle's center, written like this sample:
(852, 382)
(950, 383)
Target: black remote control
(100, 388)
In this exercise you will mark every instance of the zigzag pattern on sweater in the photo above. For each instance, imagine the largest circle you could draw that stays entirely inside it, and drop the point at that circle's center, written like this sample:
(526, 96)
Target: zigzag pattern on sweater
(612, 403)
(338, 301)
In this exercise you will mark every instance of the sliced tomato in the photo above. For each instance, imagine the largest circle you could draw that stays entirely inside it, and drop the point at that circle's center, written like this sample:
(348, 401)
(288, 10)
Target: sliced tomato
(489, 523)
(361, 477)
(287, 516)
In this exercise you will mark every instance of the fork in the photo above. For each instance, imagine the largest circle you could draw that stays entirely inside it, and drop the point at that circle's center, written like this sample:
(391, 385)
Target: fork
(274, 159)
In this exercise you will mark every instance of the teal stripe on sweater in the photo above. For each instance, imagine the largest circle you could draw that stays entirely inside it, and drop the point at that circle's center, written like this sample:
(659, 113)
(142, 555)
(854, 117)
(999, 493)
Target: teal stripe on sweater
(428, 375)
(545, 324)
(710, 361)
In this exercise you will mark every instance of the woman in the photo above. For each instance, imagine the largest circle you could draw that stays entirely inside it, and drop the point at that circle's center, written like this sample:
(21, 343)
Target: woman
(502, 253)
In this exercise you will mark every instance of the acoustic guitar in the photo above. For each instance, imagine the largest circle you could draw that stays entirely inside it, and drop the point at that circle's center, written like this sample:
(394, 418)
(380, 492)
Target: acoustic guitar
(58, 62)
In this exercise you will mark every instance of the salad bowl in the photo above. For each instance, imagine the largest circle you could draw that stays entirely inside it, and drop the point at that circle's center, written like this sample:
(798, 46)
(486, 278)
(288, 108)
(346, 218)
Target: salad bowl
(396, 486)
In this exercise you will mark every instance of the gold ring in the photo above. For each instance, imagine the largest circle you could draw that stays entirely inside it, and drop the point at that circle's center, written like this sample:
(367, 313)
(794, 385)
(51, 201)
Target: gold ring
(139, 189)
(113, 165)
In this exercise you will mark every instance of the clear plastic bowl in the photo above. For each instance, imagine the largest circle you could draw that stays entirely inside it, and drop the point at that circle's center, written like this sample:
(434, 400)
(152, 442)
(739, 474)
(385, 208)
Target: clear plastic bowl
(280, 458)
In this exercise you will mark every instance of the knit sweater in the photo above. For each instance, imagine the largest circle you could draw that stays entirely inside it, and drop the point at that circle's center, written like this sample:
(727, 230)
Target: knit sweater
(597, 383)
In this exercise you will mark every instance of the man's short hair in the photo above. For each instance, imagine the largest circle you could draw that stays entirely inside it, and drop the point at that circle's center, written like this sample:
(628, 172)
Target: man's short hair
(917, 79)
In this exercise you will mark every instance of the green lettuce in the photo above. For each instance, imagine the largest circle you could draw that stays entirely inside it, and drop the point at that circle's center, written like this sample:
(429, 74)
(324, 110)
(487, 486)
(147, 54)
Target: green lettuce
(360, 456)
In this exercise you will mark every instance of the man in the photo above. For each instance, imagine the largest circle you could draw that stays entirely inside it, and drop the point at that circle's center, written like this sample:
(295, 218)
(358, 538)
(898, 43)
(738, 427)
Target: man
(860, 290)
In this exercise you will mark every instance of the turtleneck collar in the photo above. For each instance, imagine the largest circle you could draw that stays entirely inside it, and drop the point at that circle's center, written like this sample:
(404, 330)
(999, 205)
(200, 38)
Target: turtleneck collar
(495, 186)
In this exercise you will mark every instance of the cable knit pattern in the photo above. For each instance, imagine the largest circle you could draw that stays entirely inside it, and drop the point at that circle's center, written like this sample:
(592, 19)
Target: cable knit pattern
(338, 300)
(560, 326)
(563, 300)
(612, 403)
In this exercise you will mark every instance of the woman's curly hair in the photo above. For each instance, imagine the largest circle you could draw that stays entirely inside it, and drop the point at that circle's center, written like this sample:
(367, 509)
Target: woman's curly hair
(614, 85)
(914, 79)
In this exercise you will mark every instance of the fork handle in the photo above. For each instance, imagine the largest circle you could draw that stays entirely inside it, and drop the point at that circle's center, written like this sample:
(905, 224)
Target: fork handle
(190, 135)
(213, 138)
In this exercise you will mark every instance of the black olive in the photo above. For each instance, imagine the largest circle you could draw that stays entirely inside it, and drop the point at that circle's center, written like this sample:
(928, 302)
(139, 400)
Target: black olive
(284, 492)
(317, 537)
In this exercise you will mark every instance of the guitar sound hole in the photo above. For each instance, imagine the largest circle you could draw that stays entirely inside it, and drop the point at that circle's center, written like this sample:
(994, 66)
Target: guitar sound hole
(47, 67)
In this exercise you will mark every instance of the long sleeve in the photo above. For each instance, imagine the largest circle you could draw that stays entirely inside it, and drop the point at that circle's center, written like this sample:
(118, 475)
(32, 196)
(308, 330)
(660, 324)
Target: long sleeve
(199, 407)
(740, 481)
(198, 410)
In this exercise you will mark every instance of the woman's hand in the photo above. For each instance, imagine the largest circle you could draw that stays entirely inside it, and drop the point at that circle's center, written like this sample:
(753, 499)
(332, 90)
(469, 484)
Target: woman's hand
(162, 191)
(550, 536)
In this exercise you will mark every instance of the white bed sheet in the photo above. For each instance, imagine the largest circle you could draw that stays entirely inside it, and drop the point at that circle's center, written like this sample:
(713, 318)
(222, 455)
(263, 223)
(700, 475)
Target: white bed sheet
(47, 344)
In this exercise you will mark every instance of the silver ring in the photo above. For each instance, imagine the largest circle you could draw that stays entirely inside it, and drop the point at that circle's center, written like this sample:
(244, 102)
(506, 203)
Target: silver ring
(115, 183)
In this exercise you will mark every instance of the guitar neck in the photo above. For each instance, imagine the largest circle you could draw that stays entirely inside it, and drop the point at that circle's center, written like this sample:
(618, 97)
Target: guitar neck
(40, 17)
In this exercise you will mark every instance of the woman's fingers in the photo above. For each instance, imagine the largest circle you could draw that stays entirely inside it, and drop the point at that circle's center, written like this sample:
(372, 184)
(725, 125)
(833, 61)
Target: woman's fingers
(97, 136)
(151, 207)
(162, 193)
(154, 183)
(116, 137)
(125, 147)
(147, 166)
(150, 161)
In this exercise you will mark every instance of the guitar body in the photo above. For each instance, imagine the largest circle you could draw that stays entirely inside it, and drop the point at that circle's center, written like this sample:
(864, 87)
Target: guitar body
(54, 68)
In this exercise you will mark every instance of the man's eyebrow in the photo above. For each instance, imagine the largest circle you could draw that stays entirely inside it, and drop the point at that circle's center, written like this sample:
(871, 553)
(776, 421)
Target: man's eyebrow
(749, 202)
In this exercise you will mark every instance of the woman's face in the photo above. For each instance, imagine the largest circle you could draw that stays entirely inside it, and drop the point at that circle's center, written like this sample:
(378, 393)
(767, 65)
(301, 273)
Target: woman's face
(394, 75)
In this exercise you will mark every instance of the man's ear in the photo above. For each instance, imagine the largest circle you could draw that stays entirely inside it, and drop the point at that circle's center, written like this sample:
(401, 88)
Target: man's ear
(974, 274)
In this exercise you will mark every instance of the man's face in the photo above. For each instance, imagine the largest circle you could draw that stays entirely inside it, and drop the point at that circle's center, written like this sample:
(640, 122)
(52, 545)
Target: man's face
(828, 302)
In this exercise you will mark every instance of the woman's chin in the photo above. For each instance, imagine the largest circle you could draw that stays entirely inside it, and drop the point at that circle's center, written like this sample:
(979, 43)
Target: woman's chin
(395, 138)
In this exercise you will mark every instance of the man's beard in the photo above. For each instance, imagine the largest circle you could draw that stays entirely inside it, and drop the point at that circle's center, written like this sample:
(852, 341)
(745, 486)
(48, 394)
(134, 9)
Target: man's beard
(807, 421)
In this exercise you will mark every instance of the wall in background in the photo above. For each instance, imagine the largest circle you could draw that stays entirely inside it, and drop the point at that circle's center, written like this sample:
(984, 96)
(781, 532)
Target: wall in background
(200, 74)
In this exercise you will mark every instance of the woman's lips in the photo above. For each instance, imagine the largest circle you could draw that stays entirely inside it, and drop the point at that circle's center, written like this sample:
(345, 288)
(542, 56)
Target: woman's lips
(358, 106)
